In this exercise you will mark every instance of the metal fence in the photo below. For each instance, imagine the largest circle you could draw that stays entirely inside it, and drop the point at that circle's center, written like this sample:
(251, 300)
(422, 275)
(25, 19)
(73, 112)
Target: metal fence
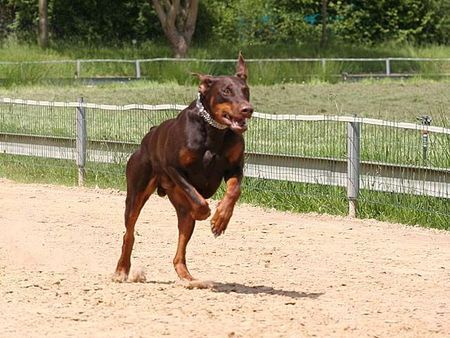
(150, 68)
(364, 165)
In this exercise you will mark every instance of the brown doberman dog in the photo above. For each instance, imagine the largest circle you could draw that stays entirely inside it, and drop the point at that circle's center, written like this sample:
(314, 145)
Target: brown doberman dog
(186, 158)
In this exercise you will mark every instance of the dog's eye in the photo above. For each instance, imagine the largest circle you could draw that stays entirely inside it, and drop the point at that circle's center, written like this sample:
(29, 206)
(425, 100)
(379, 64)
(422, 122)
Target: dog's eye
(226, 92)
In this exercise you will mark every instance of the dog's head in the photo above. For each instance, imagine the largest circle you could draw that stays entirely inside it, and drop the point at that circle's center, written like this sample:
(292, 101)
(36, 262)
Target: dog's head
(227, 98)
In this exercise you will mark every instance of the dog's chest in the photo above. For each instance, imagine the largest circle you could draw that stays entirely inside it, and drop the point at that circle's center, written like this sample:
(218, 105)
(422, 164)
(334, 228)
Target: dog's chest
(211, 159)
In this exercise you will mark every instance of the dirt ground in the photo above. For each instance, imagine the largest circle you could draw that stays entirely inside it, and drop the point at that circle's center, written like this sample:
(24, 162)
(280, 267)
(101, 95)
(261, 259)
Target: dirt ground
(275, 274)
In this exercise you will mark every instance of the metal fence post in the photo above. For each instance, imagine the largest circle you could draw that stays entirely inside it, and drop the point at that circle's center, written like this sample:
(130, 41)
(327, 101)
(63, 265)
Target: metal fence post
(78, 69)
(425, 121)
(353, 165)
(388, 67)
(138, 69)
(81, 141)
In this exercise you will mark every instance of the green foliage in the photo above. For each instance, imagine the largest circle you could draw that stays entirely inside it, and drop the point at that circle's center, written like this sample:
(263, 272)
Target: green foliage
(250, 22)
(93, 21)
(241, 22)
(417, 21)
(104, 20)
(21, 20)
(253, 22)
(6, 18)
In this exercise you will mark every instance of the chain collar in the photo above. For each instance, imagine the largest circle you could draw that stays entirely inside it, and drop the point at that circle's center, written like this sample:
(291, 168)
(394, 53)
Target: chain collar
(207, 117)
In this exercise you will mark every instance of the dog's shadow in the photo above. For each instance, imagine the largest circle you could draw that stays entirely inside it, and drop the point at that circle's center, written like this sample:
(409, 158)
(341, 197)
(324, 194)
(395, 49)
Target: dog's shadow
(261, 289)
(242, 289)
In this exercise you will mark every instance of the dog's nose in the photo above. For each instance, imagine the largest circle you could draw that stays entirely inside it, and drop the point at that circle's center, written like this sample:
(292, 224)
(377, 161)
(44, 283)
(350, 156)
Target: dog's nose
(247, 110)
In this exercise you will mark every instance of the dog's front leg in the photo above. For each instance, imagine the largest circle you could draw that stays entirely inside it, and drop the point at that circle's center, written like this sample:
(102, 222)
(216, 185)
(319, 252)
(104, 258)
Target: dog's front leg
(199, 207)
(221, 218)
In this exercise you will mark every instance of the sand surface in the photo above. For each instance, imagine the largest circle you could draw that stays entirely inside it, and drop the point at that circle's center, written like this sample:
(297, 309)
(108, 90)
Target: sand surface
(275, 274)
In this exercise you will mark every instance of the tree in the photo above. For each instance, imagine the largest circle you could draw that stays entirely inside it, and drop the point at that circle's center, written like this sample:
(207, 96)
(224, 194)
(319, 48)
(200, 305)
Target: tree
(43, 24)
(178, 19)
(324, 12)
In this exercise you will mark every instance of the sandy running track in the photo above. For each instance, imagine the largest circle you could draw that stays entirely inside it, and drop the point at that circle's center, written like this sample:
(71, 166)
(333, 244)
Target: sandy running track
(276, 274)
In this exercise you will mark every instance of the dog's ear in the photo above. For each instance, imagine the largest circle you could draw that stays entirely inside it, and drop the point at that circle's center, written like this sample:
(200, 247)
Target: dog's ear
(205, 82)
(241, 69)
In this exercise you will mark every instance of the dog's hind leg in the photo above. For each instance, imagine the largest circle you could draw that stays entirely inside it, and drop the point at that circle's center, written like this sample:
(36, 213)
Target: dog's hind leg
(186, 224)
(141, 183)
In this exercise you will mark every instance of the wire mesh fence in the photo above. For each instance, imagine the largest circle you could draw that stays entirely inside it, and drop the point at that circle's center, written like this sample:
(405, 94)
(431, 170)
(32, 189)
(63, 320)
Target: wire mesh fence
(295, 162)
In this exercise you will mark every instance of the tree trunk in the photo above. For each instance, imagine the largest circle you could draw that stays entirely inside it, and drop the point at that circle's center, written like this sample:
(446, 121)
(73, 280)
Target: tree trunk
(43, 24)
(324, 37)
(181, 48)
(178, 19)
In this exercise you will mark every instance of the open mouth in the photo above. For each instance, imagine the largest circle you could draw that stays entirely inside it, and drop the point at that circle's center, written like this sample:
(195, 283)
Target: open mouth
(236, 124)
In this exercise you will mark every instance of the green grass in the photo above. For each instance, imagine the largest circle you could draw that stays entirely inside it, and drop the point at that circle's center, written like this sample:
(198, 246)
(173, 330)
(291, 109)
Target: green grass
(12, 50)
(38, 170)
(300, 197)
(404, 208)
(391, 100)
(263, 73)
(29, 169)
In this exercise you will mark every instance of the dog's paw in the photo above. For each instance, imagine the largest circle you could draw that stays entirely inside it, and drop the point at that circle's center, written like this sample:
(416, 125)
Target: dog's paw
(220, 220)
(195, 284)
(217, 227)
(119, 277)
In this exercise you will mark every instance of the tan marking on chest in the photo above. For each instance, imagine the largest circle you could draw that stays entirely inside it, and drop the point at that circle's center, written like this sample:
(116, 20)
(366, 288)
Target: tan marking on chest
(187, 156)
(235, 153)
